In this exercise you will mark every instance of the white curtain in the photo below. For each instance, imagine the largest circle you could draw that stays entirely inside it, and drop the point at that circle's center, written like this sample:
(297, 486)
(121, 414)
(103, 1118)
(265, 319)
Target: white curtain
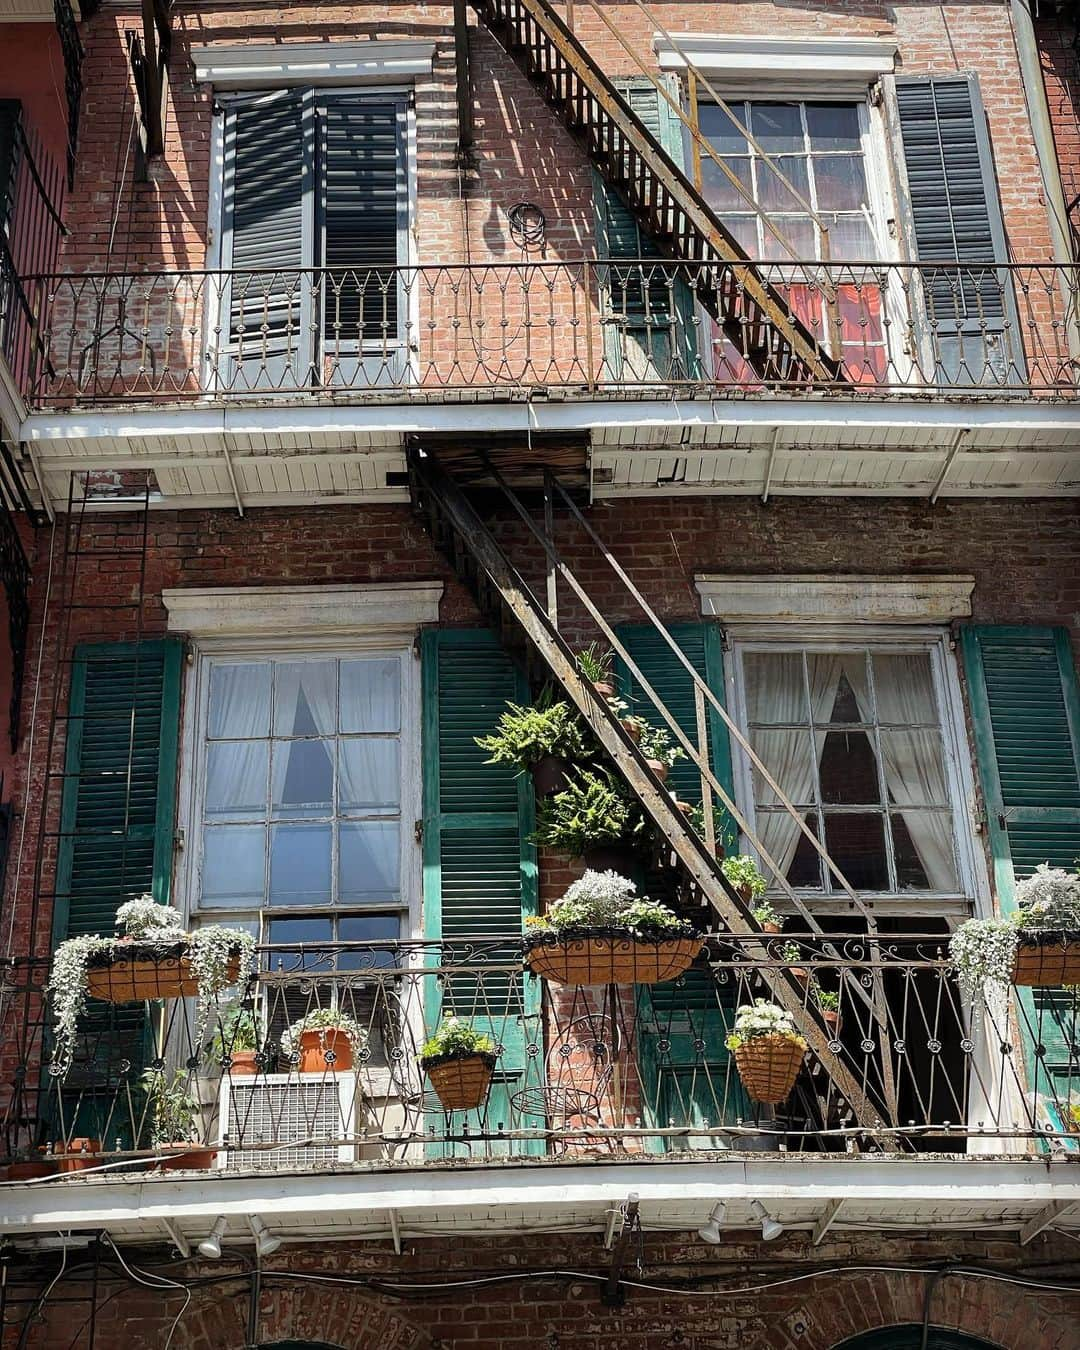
(236, 768)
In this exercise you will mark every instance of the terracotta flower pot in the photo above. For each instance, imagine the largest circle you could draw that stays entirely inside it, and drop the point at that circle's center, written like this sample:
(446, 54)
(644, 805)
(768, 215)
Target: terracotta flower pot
(187, 1157)
(687, 808)
(768, 1067)
(632, 727)
(831, 1020)
(462, 1084)
(772, 928)
(610, 960)
(604, 688)
(89, 1151)
(1043, 961)
(548, 775)
(242, 1064)
(26, 1169)
(325, 1050)
(659, 768)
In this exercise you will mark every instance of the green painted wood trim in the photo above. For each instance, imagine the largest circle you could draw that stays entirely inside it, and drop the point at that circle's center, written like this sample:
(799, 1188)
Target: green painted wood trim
(69, 797)
(168, 769)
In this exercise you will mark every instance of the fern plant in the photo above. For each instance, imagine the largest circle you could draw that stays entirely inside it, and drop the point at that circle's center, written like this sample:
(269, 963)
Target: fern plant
(524, 735)
(592, 809)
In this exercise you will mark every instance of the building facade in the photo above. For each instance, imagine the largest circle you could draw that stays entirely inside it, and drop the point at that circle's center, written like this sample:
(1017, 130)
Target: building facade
(707, 371)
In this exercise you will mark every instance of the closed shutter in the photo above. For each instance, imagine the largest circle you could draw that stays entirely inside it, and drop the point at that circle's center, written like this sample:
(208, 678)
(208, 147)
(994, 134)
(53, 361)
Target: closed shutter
(117, 829)
(1025, 706)
(479, 866)
(956, 219)
(648, 326)
(10, 115)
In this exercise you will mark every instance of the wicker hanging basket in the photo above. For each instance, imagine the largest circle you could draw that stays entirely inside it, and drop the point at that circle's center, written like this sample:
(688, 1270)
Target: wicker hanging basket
(138, 977)
(613, 960)
(462, 1084)
(1043, 960)
(768, 1066)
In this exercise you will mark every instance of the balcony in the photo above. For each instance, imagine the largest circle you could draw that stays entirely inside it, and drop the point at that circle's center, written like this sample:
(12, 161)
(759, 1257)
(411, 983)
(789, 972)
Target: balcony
(582, 1074)
(580, 330)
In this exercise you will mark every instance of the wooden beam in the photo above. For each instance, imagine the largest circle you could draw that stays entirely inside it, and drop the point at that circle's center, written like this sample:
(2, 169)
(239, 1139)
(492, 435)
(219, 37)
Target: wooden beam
(1046, 1218)
(826, 1221)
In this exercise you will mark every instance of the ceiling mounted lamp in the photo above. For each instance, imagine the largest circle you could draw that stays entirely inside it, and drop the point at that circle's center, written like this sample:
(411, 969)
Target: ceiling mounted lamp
(210, 1247)
(770, 1227)
(265, 1242)
(710, 1232)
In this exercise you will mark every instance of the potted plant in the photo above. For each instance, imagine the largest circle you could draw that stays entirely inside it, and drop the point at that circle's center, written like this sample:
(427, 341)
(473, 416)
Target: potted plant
(544, 740)
(828, 1005)
(791, 953)
(88, 1153)
(459, 1061)
(172, 1112)
(768, 1050)
(722, 832)
(595, 664)
(324, 1040)
(746, 878)
(602, 932)
(592, 818)
(236, 1041)
(155, 957)
(659, 750)
(1037, 945)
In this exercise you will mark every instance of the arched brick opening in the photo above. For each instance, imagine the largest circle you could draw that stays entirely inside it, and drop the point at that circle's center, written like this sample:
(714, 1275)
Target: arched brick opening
(910, 1337)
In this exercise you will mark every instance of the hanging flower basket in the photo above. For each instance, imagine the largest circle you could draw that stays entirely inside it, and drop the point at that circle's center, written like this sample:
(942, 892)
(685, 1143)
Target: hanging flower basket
(134, 972)
(768, 1050)
(1046, 958)
(461, 1084)
(611, 958)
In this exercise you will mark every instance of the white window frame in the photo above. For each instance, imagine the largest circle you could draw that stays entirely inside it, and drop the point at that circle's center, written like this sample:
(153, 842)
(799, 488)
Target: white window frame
(909, 639)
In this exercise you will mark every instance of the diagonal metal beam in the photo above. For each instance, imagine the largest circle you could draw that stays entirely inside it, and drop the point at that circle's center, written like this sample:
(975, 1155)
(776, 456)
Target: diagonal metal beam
(826, 1221)
(1046, 1218)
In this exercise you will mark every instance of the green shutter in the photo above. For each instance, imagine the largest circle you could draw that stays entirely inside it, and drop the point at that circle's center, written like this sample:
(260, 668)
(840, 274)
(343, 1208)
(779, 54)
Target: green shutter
(117, 831)
(659, 317)
(479, 866)
(1025, 707)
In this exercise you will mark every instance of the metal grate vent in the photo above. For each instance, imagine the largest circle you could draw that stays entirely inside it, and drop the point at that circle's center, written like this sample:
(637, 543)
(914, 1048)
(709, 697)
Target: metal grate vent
(288, 1111)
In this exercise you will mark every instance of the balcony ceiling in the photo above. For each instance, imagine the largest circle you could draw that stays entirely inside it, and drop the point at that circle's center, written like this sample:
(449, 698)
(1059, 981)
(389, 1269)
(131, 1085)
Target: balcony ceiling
(1022, 1195)
(309, 453)
(31, 11)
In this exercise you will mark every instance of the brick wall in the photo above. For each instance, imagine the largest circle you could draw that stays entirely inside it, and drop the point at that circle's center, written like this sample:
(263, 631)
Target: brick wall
(1056, 34)
(523, 1312)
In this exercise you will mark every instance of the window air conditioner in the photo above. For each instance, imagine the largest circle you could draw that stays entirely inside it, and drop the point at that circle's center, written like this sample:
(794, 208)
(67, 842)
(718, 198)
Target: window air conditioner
(285, 1110)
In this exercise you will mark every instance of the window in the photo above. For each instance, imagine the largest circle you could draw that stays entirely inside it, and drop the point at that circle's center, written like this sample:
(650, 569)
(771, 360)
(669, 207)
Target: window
(854, 735)
(303, 788)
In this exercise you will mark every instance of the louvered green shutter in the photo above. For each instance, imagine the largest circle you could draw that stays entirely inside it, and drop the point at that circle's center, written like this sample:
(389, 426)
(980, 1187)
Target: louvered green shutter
(1025, 707)
(956, 217)
(479, 867)
(658, 316)
(117, 825)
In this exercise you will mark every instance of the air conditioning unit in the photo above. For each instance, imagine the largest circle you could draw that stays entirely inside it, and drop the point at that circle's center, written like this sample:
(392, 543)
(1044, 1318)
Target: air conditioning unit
(285, 1110)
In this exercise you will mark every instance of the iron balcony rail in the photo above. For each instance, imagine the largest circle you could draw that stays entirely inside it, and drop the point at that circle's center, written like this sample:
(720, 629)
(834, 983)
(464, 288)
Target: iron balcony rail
(585, 329)
(620, 1069)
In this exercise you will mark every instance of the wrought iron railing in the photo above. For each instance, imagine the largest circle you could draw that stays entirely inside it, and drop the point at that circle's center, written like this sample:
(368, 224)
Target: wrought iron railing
(590, 329)
(619, 1068)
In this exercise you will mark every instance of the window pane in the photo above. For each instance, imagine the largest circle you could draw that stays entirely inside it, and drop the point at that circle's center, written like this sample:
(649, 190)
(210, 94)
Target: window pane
(370, 695)
(300, 865)
(233, 864)
(923, 845)
(786, 755)
(239, 700)
(787, 844)
(847, 767)
(368, 928)
(904, 688)
(720, 131)
(369, 775)
(777, 126)
(856, 843)
(839, 688)
(369, 862)
(800, 238)
(305, 696)
(852, 239)
(840, 182)
(719, 191)
(914, 768)
(774, 194)
(236, 780)
(298, 930)
(303, 778)
(745, 230)
(833, 126)
(774, 687)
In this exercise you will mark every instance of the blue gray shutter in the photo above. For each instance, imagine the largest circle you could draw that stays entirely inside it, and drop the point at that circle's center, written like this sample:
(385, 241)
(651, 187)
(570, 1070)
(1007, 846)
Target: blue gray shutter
(266, 193)
(956, 219)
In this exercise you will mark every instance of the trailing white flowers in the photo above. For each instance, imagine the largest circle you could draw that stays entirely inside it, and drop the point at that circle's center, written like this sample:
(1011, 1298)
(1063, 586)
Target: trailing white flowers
(762, 1018)
(607, 900)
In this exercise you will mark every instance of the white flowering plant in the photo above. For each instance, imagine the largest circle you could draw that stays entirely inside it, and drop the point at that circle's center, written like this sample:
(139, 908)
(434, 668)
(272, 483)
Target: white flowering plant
(1049, 898)
(323, 1020)
(605, 903)
(217, 956)
(762, 1018)
(744, 873)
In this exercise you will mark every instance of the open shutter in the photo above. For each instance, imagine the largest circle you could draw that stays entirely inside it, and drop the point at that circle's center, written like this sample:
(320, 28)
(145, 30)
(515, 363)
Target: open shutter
(117, 831)
(648, 326)
(956, 219)
(269, 167)
(1025, 706)
(479, 866)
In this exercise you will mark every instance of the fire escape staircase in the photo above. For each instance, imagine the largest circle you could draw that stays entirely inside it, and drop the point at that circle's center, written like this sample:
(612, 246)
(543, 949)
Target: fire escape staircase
(752, 314)
(530, 631)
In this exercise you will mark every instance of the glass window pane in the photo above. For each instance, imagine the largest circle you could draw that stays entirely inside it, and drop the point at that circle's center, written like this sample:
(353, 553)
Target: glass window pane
(236, 780)
(298, 930)
(368, 928)
(838, 687)
(786, 755)
(774, 194)
(233, 865)
(239, 700)
(787, 843)
(914, 768)
(851, 239)
(719, 191)
(847, 768)
(856, 843)
(369, 862)
(923, 846)
(745, 230)
(369, 775)
(300, 865)
(777, 126)
(774, 687)
(800, 242)
(904, 689)
(840, 182)
(305, 697)
(371, 695)
(833, 126)
(303, 778)
(725, 137)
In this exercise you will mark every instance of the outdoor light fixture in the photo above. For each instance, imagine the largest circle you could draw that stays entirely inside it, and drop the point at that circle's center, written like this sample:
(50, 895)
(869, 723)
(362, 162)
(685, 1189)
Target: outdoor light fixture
(211, 1246)
(770, 1228)
(711, 1231)
(265, 1242)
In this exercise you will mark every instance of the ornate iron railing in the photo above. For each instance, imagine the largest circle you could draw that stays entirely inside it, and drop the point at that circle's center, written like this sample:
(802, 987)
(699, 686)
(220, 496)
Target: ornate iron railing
(588, 329)
(619, 1068)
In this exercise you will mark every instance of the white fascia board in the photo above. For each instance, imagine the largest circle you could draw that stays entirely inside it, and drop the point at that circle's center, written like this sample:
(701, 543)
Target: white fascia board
(813, 64)
(274, 66)
(96, 1203)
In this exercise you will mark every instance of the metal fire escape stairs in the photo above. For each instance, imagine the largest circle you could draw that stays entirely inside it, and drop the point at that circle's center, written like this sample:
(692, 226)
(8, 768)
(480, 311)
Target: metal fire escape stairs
(530, 631)
(752, 314)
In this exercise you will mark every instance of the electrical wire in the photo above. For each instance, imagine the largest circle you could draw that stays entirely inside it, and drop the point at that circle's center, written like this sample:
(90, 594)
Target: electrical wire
(163, 1283)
